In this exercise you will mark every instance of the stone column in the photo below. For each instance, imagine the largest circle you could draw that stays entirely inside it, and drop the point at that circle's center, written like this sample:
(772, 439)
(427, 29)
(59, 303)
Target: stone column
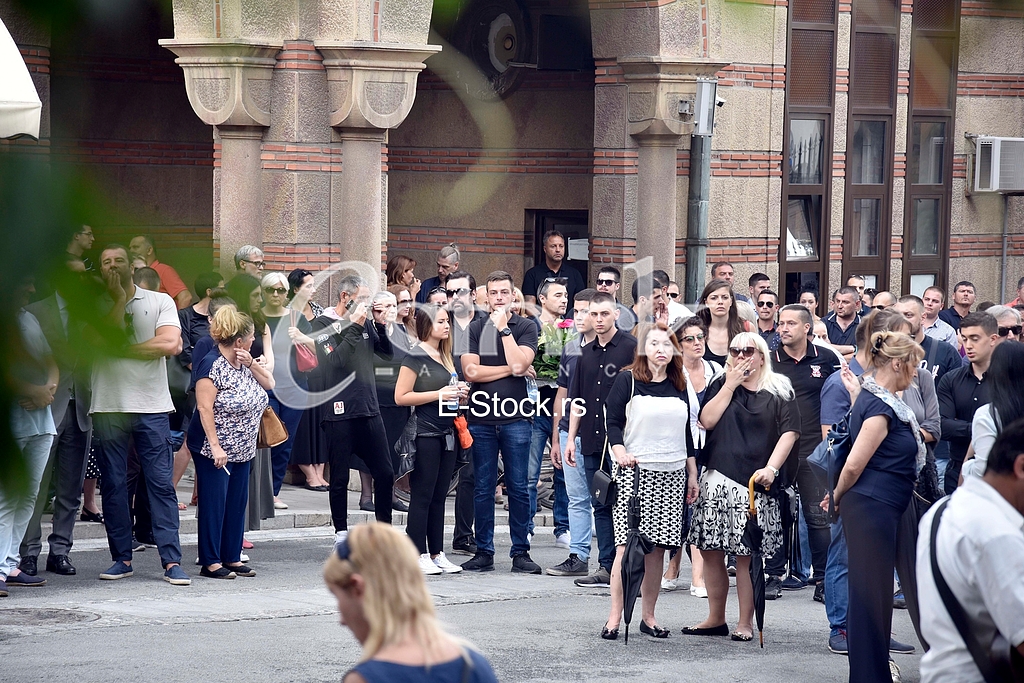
(228, 85)
(357, 222)
(656, 200)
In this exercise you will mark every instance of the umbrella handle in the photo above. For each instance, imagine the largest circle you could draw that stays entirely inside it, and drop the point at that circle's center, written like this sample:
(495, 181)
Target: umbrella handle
(751, 510)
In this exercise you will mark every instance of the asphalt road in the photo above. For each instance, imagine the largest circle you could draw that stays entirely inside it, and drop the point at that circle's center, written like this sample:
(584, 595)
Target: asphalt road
(282, 626)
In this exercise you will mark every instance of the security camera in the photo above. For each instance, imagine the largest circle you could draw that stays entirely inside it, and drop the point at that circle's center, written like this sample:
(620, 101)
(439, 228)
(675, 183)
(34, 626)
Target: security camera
(719, 101)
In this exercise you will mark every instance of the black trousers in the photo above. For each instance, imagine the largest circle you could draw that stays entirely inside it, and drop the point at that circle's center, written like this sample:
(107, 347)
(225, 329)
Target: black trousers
(870, 527)
(428, 484)
(951, 479)
(364, 437)
(464, 505)
(819, 530)
(394, 419)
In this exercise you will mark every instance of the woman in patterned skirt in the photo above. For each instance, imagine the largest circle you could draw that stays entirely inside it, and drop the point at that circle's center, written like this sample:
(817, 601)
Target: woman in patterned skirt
(649, 435)
(752, 421)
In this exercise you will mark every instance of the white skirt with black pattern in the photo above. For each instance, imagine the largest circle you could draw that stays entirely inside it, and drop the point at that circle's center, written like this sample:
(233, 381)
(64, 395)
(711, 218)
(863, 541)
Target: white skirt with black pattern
(720, 517)
(662, 502)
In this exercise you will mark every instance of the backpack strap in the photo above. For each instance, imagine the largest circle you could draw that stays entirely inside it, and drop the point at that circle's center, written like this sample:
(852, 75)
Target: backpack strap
(956, 612)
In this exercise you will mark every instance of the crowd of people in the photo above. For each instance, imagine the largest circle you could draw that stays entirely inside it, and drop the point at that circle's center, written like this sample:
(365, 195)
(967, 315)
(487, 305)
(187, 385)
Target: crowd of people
(426, 385)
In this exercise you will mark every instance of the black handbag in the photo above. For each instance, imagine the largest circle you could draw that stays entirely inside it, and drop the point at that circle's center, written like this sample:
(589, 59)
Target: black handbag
(1001, 662)
(604, 489)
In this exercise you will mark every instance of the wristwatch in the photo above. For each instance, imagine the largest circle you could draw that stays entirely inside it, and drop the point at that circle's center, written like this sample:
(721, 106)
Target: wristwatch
(774, 471)
(506, 332)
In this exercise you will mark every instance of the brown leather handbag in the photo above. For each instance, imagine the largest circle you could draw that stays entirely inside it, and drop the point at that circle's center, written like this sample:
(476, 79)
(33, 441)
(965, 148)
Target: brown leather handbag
(272, 430)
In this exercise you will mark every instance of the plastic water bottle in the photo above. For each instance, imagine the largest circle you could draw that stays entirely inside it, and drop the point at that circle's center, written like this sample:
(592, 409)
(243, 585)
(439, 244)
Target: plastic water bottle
(532, 391)
(452, 405)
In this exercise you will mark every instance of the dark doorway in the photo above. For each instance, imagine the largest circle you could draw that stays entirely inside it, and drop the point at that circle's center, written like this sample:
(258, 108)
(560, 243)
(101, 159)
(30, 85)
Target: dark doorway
(574, 226)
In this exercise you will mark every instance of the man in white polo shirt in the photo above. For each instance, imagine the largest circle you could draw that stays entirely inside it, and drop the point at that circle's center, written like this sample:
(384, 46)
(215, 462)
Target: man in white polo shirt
(130, 400)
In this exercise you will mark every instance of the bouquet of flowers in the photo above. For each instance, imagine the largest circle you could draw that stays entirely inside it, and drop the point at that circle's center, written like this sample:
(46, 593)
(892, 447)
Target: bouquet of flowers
(553, 338)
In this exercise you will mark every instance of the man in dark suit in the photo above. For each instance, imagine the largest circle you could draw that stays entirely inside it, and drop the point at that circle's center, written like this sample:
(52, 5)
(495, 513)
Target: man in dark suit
(70, 449)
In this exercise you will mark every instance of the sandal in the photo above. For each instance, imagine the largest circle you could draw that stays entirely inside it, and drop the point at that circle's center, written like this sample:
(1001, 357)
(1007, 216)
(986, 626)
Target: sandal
(741, 637)
(182, 507)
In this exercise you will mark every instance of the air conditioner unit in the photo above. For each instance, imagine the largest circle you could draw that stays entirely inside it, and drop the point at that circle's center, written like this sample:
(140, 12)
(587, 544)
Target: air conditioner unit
(998, 164)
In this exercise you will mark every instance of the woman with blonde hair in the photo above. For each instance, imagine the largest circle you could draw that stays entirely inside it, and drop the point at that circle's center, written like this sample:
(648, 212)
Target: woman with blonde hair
(873, 491)
(428, 381)
(752, 423)
(383, 600)
(231, 395)
(649, 434)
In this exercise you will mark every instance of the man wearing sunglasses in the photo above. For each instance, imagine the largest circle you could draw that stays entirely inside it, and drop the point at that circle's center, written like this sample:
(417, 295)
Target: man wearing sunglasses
(1009, 322)
(609, 281)
(767, 302)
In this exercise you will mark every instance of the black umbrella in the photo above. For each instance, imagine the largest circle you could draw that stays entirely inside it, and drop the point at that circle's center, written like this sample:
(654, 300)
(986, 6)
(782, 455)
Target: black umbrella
(752, 538)
(638, 546)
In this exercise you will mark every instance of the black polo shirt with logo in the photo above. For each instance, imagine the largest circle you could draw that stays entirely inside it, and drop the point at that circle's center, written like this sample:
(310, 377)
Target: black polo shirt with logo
(486, 342)
(595, 373)
(808, 377)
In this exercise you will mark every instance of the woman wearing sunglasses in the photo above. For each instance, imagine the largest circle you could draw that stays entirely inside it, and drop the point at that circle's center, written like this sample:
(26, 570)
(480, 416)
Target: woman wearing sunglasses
(718, 311)
(752, 421)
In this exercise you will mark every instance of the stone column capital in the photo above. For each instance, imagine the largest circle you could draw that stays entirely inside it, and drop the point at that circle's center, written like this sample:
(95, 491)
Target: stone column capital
(227, 81)
(655, 87)
(372, 85)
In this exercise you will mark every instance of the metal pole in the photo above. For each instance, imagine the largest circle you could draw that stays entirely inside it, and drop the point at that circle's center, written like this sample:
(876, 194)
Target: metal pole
(1002, 258)
(697, 216)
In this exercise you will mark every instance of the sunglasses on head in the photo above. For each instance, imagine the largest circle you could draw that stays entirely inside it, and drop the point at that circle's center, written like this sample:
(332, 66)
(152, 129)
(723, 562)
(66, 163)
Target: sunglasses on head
(746, 352)
(557, 280)
(690, 338)
(437, 290)
(461, 291)
(766, 304)
(607, 282)
(1016, 330)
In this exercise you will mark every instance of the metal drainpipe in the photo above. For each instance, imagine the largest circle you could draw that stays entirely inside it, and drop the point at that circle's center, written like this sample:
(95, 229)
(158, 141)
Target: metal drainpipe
(1002, 256)
(697, 216)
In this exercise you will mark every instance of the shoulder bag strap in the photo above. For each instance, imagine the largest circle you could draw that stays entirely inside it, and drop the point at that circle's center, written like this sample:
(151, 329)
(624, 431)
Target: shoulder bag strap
(604, 412)
(956, 611)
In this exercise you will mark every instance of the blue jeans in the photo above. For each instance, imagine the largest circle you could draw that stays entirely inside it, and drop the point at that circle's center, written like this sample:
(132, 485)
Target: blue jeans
(837, 585)
(560, 510)
(602, 513)
(803, 572)
(223, 495)
(513, 440)
(281, 454)
(581, 514)
(151, 433)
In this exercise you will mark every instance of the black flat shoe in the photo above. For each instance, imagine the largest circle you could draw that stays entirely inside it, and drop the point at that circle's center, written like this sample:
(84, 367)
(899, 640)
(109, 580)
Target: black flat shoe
(722, 630)
(220, 573)
(91, 516)
(741, 637)
(655, 631)
(399, 506)
(610, 635)
(367, 507)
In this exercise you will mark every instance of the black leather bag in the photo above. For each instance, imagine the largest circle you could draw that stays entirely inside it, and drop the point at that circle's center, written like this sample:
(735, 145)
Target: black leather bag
(605, 490)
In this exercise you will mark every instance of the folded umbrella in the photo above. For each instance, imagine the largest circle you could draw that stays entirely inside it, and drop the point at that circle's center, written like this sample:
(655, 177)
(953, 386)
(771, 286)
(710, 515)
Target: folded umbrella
(753, 536)
(634, 556)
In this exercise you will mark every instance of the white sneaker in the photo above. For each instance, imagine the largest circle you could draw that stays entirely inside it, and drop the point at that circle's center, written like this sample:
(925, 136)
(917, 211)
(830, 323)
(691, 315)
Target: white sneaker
(243, 557)
(427, 565)
(699, 591)
(445, 565)
(339, 538)
(668, 584)
(562, 541)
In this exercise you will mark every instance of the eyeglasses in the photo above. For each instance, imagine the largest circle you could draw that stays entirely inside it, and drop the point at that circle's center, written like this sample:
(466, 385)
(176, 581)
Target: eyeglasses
(879, 308)
(690, 338)
(673, 295)
(766, 304)
(1015, 330)
(557, 280)
(258, 264)
(275, 290)
(607, 282)
(746, 352)
(461, 291)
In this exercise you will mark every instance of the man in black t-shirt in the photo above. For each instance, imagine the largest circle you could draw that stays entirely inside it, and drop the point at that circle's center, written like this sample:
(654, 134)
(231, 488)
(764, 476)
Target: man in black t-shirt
(501, 350)
(807, 366)
(553, 266)
(346, 338)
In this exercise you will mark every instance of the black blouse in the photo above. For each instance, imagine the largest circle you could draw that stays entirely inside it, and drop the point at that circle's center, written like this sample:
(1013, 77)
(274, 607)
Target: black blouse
(748, 431)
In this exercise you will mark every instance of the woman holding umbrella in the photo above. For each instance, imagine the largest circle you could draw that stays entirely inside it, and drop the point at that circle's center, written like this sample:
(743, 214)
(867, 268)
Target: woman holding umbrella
(648, 431)
(752, 421)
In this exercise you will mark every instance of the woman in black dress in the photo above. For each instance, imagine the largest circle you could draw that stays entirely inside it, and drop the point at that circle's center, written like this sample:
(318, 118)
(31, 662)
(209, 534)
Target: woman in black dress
(752, 424)
(309, 451)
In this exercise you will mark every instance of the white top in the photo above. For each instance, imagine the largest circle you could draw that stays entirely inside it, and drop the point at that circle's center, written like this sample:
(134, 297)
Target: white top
(20, 107)
(655, 432)
(127, 385)
(980, 552)
(699, 434)
(32, 370)
(983, 436)
(943, 331)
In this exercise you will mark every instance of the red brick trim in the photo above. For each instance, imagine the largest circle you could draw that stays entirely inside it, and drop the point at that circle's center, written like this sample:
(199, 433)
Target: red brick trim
(314, 257)
(683, 163)
(745, 164)
(25, 145)
(980, 8)
(903, 82)
(614, 250)
(300, 157)
(842, 80)
(744, 250)
(964, 246)
(899, 165)
(132, 152)
(571, 161)
(835, 249)
(628, 4)
(770, 3)
(907, 7)
(607, 72)
(753, 76)
(845, 7)
(616, 162)
(37, 59)
(990, 85)
(300, 55)
(839, 164)
(960, 166)
(896, 247)
(407, 238)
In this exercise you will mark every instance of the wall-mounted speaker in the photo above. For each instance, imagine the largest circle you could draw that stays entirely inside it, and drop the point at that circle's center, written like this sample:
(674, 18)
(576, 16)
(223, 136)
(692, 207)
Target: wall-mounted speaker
(495, 35)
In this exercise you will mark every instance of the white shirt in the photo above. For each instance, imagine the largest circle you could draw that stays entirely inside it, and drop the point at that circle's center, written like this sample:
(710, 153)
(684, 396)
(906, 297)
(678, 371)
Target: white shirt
(677, 313)
(983, 436)
(981, 553)
(943, 331)
(127, 385)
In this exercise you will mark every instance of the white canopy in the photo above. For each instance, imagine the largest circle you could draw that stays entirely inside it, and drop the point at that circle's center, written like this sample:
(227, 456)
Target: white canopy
(19, 103)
